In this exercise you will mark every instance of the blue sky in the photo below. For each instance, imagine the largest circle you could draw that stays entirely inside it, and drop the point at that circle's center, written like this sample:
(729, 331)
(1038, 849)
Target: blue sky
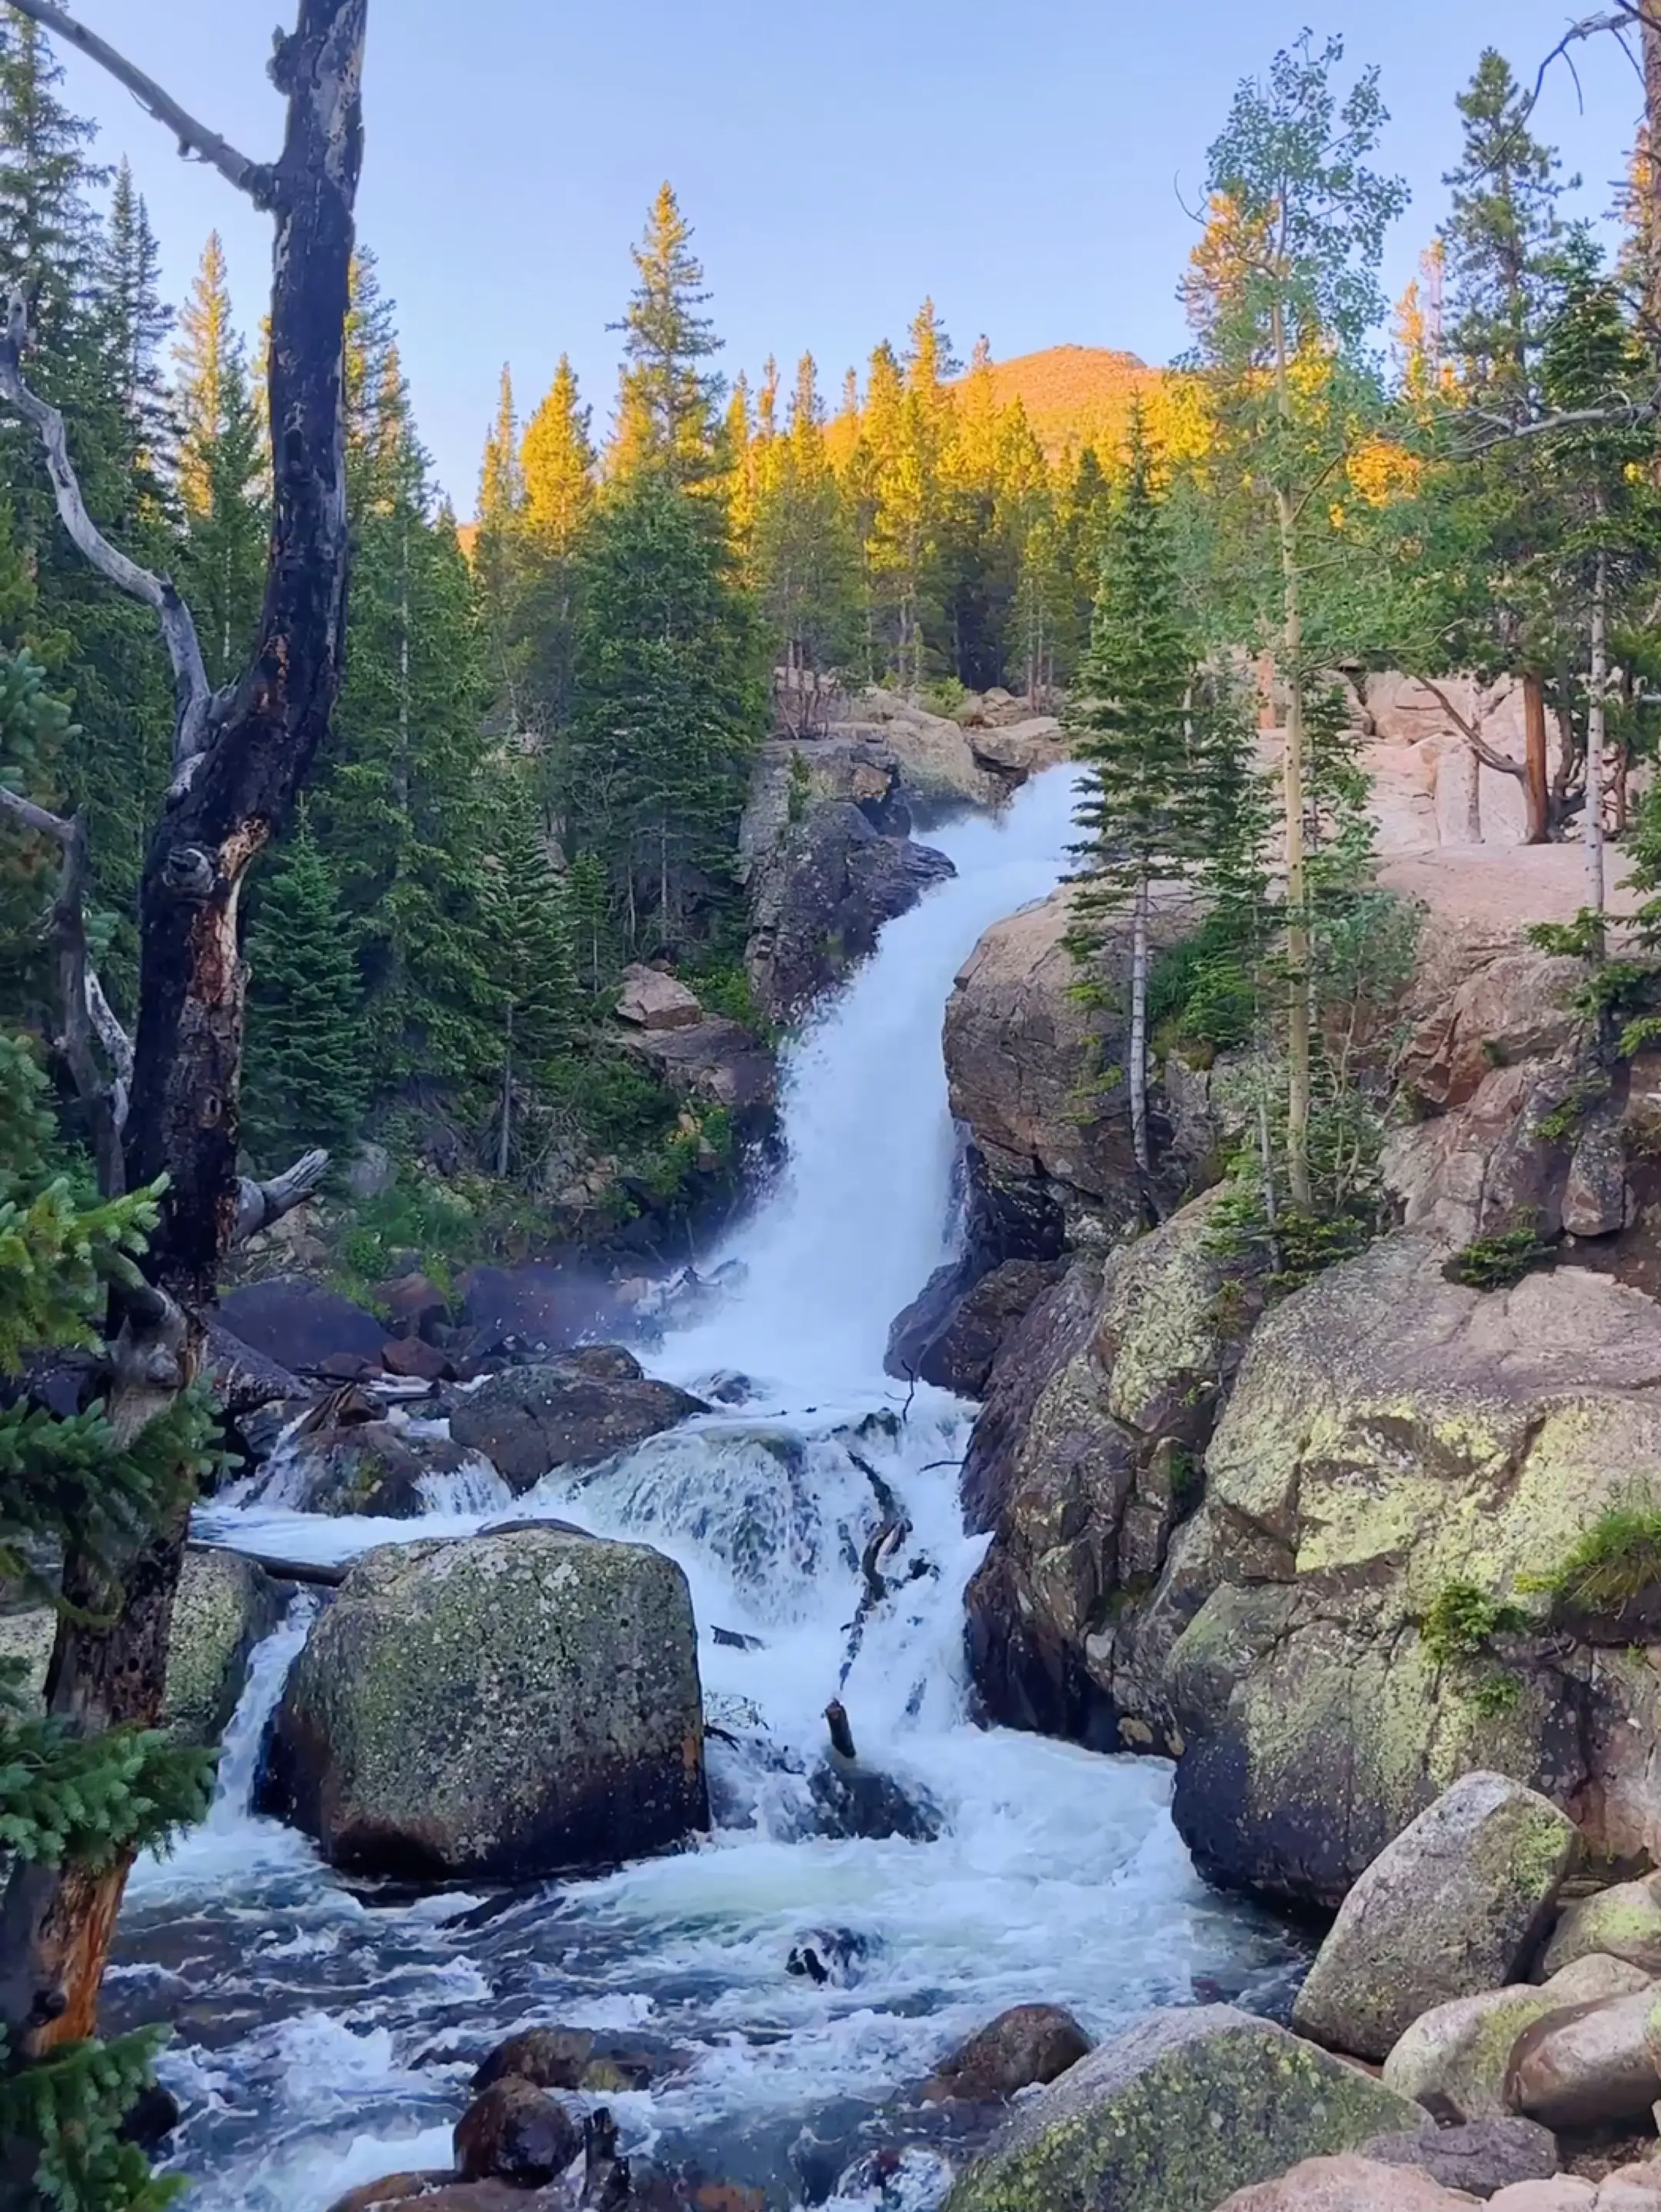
(1019, 159)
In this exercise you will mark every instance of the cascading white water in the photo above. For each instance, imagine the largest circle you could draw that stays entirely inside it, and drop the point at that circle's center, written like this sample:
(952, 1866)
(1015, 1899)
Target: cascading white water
(326, 2043)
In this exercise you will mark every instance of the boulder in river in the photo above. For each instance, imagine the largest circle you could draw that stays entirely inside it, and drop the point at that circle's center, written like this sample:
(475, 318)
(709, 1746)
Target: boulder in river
(573, 1412)
(1028, 2044)
(1174, 2113)
(502, 1707)
(514, 2131)
(1455, 1905)
(299, 1323)
(950, 1335)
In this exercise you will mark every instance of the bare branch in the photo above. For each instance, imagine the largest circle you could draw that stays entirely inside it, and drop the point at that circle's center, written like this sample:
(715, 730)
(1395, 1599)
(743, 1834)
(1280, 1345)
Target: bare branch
(255, 178)
(44, 824)
(1613, 414)
(192, 695)
(259, 1204)
(1469, 730)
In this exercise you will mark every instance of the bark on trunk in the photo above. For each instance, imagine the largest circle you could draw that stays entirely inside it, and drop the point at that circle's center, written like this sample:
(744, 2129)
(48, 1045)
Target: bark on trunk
(1651, 177)
(1139, 1025)
(55, 1925)
(1537, 796)
(1597, 695)
(1297, 891)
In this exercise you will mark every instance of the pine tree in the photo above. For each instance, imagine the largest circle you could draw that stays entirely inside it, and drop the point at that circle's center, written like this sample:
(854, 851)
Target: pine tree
(667, 400)
(63, 1481)
(556, 466)
(533, 953)
(220, 473)
(1499, 237)
(128, 280)
(1137, 804)
(806, 560)
(305, 1080)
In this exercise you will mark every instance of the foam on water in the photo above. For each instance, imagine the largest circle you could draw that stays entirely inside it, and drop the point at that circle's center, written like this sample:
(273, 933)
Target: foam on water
(333, 2036)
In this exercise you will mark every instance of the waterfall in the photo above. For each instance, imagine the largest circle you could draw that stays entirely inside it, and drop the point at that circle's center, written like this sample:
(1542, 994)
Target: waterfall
(1054, 1874)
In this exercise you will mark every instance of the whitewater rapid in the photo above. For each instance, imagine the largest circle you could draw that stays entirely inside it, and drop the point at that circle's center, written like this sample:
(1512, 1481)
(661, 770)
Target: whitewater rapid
(325, 2033)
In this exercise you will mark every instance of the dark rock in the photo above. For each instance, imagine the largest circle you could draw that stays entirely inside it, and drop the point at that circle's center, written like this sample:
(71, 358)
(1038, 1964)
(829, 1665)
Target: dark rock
(514, 2131)
(503, 1707)
(242, 1379)
(833, 1955)
(855, 1801)
(548, 2057)
(1028, 2044)
(374, 1467)
(545, 1302)
(416, 1359)
(1487, 2156)
(299, 1324)
(950, 1335)
(347, 1366)
(412, 1302)
(575, 1411)
(819, 899)
(151, 2118)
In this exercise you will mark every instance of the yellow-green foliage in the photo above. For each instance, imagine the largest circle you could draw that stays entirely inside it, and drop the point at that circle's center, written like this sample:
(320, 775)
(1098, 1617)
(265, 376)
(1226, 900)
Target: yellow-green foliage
(1618, 1557)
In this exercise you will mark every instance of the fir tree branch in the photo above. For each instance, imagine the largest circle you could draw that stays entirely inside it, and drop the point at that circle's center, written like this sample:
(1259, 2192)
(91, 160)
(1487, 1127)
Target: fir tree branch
(259, 1204)
(256, 178)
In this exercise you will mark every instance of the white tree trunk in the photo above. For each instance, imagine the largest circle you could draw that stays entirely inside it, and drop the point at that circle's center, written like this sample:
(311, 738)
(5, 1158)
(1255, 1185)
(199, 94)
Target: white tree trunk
(1138, 1071)
(1597, 703)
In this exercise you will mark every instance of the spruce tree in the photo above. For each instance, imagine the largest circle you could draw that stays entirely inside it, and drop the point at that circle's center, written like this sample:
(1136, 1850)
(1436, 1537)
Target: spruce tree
(89, 1799)
(807, 560)
(529, 598)
(533, 967)
(304, 1079)
(221, 473)
(1138, 806)
(667, 399)
(128, 279)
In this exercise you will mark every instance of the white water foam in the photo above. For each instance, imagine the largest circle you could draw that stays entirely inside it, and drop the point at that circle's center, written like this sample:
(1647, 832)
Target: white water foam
(1056, 1874)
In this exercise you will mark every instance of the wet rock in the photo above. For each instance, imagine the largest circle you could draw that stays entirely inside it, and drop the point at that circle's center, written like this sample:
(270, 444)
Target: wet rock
(514, 2131)
(1455, 1905)
(414, 1359)
(1587, 2065)
(241, 1379)
(1182, 2108)
(372, 1467)
(412, 1302)
(857, 1801)
(552, 1303)
(1622, 1923)
(225, 1605)
(567, 2059)
(950, 1335)
(1488, 2155)
(574, 1411)
(1028, 2044)
(820, 897)
(833, 1955)
(1390, 1434)
(1350, 2183)
(299, 1324)
(650, 1000)
(1085, 1460)
(150, 2118)
(503, 1707)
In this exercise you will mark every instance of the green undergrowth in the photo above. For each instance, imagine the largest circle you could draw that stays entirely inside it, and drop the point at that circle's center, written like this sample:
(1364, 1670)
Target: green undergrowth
(1500, 1261)
(1613, 1562)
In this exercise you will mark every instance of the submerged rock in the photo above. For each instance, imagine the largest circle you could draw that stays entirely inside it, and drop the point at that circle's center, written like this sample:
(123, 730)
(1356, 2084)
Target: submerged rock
(1455, 1906)
(514, 2131)
(1173, 2114)
(505, 1706)
(573, 1412)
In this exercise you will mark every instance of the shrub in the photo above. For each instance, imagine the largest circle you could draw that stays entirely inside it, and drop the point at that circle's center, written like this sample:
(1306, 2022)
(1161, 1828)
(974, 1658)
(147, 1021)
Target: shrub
(1460, 1621)
(1616, 1559)
(1495, 1263)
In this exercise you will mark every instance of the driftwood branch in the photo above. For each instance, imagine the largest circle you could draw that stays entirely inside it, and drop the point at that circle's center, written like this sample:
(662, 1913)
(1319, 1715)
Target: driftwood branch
(192, 695)
(259, 1204)
(195, 141)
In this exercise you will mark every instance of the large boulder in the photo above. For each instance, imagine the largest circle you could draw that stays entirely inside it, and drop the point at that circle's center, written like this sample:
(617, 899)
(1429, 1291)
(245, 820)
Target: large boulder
(1172, 2115)
(573, 1412)
(1083, 1463)
(501, 1707)
(651, 1000)
(1623, 1922)
(1479, 2158)
(819, 899)
(298, 1324)
(1453, 2060)
(1455, 1905)
(1352, 2183)
(1396, 1448)
(935, 755)
(225, 1605)
(715, 1062)
(374, 1467)
(514, 2131)
(792, 775)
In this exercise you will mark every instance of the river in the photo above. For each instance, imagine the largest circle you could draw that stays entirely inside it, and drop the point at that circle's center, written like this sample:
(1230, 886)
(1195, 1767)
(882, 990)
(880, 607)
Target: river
(325, 2031)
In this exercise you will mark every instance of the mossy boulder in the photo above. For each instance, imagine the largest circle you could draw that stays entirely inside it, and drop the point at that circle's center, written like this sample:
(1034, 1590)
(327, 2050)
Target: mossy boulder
(505, 1706)
(1084, 1462)
(225, 1605)
(1390, 1437)
(1173, 2115)
(1623, 1922)
(1454, 2059)
(1455, 1905)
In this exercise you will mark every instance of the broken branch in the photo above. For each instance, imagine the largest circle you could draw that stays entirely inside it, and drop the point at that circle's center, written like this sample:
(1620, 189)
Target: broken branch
(256, 178)
(259, 1204)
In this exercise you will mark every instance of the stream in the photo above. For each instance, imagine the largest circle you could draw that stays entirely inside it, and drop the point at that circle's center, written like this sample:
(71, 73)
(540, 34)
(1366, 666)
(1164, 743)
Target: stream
(325, 2031)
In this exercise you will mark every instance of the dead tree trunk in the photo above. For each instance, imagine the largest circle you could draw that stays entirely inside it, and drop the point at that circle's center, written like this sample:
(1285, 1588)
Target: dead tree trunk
(239, 760)
(1537, 794)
